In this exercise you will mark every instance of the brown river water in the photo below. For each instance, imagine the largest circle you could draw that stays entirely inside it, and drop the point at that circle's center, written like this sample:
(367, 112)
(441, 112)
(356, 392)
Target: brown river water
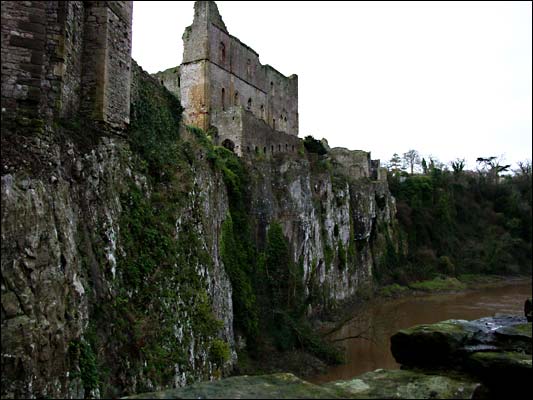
(380, 320)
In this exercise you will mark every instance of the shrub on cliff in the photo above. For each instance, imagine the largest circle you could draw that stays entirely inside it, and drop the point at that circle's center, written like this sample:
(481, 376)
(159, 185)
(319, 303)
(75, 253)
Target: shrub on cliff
(314, 146)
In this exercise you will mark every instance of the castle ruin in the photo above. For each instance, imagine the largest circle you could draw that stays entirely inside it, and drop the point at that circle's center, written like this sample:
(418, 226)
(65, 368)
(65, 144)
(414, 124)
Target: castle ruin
(65, 60)
(222, 84)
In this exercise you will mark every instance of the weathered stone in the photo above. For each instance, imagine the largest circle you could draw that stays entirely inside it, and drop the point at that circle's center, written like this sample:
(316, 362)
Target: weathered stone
(10, 304)
(235, 78)
(444, 343)
(276, 386)
(504, 373)
(403, 384)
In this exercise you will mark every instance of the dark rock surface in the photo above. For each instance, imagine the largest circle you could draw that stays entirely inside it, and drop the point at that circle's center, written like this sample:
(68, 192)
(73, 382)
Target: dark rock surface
(443, 343)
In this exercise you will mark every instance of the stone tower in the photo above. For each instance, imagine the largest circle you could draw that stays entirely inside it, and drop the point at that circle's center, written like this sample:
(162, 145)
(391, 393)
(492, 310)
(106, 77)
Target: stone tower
(63, 58)
(223, 84)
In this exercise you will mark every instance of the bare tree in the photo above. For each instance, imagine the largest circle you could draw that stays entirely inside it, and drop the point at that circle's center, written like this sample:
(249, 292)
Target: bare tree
(411, 158)
(524, 169)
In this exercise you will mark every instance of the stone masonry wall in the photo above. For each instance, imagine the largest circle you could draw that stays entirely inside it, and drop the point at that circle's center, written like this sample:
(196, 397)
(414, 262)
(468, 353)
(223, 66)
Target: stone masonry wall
(353, 163)
(56, 53)
(170, 78)
(25, 87)
(252, 136)
(107, 61)
(235, 76)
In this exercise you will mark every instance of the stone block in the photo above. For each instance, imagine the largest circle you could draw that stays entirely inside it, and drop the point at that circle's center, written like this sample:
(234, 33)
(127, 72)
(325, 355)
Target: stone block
(32, 27)
(34, 44)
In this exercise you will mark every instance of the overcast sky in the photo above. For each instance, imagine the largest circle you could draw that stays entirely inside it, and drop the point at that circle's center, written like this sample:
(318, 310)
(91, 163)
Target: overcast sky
(453, 80)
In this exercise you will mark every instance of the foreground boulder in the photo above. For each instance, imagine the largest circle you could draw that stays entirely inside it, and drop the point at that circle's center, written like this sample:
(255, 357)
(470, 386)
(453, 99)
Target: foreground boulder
(397, 384)
(404, 384)
(275, 386)
(444, 343)
(495, 350)
(455, 359)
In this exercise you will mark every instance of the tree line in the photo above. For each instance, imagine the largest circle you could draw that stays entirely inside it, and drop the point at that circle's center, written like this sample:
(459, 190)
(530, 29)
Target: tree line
(457, 221)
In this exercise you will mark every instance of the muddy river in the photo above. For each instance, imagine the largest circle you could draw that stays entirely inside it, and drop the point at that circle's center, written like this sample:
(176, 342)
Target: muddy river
(376, 324)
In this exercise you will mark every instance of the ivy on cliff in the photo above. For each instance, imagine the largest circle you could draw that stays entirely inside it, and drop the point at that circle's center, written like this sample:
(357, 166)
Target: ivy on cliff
(268, 282)
(154, 129)
(237, 251)
(158, 285)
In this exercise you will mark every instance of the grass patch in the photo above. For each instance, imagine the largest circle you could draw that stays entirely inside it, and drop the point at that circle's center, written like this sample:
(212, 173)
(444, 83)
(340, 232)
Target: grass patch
(393, 290)
(438, 284)
(474, 279)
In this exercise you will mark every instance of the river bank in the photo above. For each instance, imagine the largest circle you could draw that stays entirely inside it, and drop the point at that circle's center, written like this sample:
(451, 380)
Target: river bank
(327, 323)
(485, 358)
(307, 366)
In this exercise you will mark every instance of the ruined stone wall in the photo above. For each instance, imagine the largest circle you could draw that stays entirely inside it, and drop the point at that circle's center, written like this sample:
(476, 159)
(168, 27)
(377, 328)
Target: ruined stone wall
(56, 53)
(234, 77)
(352, 163)
(194, 94)
(170, 78)
(258, 135)
(267, 93)
(252, 136)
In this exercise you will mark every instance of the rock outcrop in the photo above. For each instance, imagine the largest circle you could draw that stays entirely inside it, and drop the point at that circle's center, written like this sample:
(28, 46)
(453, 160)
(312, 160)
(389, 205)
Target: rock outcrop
(494, 350)
(490, 357)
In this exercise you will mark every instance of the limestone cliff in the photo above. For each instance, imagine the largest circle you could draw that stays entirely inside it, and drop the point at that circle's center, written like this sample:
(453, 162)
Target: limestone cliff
(112, 277)
(337, 226)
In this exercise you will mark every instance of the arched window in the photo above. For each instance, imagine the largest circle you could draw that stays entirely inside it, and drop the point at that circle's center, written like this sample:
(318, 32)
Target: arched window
(262, 111)
(236, 99)
(293, 148)
(286, 147)
(272, 88)
(247, 149)
(223, 99)
(179, 82)
(249, 104)
(272, 149)
(222, 53)
(264, 150)
(274, 123)
(256, 149)
(279, 148)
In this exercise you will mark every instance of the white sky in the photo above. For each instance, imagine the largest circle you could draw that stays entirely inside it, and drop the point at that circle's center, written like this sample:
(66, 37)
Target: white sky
(448, 79)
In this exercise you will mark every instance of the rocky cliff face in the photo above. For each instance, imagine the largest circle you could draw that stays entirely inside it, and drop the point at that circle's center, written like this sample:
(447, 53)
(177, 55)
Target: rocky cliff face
(112, 276)
(337, 226)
